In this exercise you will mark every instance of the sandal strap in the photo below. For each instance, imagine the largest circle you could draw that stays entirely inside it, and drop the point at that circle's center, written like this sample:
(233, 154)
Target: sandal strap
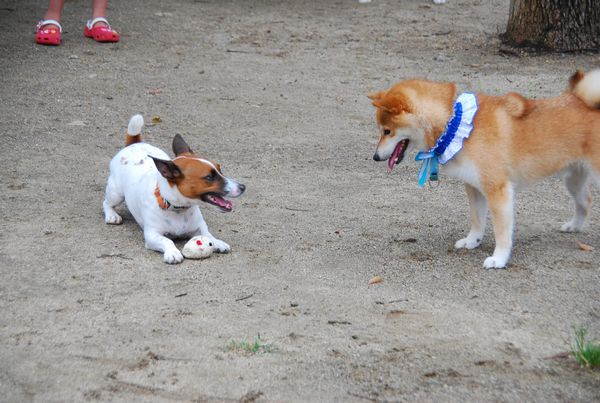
(90, 23)
(42, 23)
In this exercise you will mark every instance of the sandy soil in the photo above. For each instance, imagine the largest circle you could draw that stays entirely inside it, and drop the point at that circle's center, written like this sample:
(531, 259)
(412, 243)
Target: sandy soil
(275, 90)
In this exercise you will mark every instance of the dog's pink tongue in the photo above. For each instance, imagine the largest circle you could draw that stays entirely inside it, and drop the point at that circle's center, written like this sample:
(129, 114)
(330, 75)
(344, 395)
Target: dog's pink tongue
(226, 204)
(392, 160)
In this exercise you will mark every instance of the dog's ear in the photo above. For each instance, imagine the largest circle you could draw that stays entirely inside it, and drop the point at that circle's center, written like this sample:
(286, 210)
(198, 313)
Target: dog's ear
(375, 96)
(379, 104)
(167, 169)
(392, 104)
(180, 146)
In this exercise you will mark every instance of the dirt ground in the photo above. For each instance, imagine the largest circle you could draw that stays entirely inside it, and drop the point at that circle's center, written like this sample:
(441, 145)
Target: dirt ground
(275, 90)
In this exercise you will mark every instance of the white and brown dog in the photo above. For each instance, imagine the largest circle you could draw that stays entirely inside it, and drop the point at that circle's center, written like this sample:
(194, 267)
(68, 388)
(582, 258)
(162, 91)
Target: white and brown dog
(164, 195)
(495, 145)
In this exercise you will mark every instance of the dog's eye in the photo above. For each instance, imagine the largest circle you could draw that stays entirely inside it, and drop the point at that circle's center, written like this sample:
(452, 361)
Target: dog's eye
(386, 132)
(211, 177)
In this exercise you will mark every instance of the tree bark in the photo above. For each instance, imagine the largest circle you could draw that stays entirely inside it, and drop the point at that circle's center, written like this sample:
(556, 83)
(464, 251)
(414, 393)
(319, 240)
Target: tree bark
(560, 25)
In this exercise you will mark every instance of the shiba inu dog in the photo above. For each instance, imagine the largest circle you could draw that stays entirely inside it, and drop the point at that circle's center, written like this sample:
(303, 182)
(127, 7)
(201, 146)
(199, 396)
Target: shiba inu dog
(495, 144)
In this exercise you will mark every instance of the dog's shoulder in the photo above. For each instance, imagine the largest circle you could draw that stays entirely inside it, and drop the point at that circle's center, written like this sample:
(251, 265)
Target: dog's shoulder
(144, 149)
(135, 160)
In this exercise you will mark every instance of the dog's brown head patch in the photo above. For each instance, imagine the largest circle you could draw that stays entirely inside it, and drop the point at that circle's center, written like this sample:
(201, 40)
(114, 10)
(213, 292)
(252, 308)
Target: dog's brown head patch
(200, 176)
(194, 177)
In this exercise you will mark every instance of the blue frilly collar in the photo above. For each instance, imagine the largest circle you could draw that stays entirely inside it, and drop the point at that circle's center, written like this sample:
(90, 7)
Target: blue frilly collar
(458, 129)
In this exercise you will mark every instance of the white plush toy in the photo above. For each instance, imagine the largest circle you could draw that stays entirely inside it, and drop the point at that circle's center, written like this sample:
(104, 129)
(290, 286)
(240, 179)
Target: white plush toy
(199, 247)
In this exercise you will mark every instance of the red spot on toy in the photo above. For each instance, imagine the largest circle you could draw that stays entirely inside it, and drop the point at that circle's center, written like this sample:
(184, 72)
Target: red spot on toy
(198, 242)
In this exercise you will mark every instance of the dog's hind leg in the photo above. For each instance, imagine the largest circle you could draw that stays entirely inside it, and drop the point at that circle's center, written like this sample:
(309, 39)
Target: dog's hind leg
(113, 197)
(576, 180)
(478, 208)
(500, 201)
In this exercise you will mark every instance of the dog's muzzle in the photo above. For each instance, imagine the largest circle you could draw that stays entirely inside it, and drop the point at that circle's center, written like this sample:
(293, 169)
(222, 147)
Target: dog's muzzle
(234, 188)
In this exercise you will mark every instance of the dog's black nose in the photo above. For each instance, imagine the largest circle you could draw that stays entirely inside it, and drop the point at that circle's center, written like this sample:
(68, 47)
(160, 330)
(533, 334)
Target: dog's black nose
(376, 157)
(242, 188)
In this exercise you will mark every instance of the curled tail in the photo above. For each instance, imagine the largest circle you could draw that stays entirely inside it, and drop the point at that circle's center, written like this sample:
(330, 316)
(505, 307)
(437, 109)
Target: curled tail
(134, 130)
(587, 87)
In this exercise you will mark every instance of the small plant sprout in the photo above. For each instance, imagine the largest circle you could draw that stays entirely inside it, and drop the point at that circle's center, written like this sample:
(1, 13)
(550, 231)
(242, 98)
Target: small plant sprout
(249, 347)
(585, 351)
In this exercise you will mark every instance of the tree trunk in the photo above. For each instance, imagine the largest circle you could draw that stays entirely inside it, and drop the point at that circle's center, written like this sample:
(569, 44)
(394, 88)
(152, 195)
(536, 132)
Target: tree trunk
(560, 25)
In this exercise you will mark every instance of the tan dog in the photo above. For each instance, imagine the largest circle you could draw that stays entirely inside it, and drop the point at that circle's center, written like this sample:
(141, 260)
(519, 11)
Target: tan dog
(514, 141)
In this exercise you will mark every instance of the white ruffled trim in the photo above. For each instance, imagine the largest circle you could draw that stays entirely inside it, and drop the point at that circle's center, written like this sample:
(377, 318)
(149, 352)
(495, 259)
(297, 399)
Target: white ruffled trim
(469, 109)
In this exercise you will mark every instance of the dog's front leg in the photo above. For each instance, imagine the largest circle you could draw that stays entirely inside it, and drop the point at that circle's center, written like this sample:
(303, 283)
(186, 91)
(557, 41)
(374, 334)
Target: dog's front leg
(220, 246)
(478, 208)
(500, 201)
(158, 242)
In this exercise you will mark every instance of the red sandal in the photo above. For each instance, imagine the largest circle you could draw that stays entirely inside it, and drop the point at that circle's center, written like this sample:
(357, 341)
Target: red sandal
(48, 36)
(100, 33)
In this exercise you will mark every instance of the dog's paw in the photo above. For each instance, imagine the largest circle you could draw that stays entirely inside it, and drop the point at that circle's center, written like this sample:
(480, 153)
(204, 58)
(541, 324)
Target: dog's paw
(172, 256)
(571, 226)
(494, 263)
(220, 246)
(113, 218)
(468, 243)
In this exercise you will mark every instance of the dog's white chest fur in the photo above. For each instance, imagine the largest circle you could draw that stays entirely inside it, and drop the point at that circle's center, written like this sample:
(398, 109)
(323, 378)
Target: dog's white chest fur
(462, 168)
(135, 173)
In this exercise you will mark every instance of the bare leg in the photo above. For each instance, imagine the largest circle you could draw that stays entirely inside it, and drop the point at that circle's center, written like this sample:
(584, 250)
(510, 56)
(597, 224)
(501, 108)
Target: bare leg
(99, 10)
(54, 12)
(500, 201)
(478, 209)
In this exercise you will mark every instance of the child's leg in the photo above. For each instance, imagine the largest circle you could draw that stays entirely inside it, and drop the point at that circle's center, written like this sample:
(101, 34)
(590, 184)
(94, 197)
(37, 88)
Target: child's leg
(99, 10)
(47, 30)
(54, 12)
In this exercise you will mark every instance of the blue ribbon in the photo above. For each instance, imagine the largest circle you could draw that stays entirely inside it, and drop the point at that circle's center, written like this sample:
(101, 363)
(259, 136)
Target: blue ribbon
(430, 159)
(429, 166)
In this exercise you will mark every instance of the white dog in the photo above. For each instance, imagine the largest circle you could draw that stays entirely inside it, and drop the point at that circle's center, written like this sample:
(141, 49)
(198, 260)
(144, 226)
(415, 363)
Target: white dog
(163, 194)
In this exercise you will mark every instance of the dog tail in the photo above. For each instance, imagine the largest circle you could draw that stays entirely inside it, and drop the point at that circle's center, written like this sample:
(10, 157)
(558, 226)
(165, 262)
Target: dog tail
(134, 130)
(587, 87)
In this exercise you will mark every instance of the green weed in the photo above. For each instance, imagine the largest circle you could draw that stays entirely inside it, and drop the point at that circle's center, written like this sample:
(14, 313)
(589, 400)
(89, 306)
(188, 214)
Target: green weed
(585, 351)
(248, 347)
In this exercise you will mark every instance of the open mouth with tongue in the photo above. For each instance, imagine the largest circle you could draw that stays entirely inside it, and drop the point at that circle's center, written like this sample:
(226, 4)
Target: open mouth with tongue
(223, 204)
(398, 154)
